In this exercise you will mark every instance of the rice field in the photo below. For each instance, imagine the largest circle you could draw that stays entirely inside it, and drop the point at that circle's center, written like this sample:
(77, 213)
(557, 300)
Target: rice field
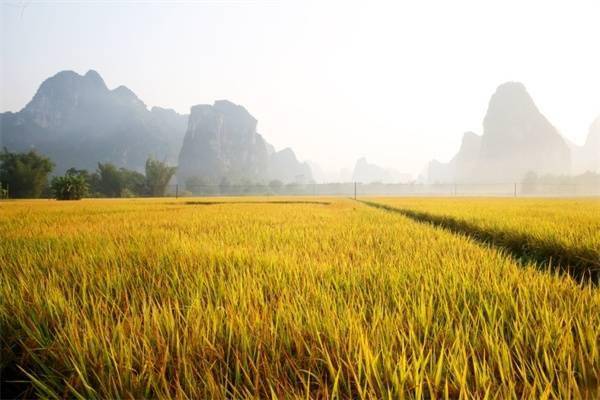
(289, 298)
(553, 231)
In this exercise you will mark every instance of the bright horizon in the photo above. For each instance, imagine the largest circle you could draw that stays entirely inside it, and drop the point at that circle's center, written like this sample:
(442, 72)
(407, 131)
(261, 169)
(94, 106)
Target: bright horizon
(397, 84)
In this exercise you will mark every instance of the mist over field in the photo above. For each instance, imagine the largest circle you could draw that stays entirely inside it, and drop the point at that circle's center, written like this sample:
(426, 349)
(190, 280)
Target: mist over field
(328, 91)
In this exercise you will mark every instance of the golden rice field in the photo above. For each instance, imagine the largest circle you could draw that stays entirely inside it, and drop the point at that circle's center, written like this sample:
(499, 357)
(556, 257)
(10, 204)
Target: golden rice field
(554, 230)
(169, 298)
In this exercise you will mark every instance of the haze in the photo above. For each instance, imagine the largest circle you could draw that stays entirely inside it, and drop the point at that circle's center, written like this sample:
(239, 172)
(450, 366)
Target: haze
(396, 83)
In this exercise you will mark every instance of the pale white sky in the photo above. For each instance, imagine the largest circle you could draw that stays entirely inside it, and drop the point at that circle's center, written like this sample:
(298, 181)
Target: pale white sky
(397, 82)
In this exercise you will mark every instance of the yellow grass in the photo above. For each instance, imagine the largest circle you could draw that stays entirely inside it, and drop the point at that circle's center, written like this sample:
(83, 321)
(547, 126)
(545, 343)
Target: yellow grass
(159, 298)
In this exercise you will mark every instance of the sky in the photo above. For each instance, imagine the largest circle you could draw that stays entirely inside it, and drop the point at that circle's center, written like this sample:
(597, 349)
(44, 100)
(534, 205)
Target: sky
(396, 82)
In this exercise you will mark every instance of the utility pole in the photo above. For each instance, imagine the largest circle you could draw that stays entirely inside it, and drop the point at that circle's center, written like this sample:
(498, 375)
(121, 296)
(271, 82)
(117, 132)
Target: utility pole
(355, 190)
(176, 191)
(515, 192)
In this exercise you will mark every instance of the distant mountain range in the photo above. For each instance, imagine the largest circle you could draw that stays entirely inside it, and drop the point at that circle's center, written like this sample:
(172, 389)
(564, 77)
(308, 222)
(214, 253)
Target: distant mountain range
(77, 122)
(517, 139)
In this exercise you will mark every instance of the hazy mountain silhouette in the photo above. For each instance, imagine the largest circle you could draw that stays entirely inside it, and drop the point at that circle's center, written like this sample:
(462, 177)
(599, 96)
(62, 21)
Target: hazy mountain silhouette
(284, 166)
(592, 146)
(221, 142)
(462, 167)
(318, 174)
(365, 172)
(516, 139)
(77, 121)
(321, 175)
(586, 158)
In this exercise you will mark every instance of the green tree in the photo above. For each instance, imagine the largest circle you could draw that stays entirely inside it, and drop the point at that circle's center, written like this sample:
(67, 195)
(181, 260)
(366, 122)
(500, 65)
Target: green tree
(25, 174)
(72, 186)
(110, 180)
(80, 172)
(92, 180)
(134, 183)
(158, 175)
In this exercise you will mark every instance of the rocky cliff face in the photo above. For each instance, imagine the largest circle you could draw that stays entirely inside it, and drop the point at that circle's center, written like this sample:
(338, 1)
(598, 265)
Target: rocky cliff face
(77, 121)
(221, 142)
(516, 139)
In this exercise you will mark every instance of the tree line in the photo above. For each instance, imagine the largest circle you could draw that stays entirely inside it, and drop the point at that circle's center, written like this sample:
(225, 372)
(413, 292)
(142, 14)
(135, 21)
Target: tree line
(26, 175)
